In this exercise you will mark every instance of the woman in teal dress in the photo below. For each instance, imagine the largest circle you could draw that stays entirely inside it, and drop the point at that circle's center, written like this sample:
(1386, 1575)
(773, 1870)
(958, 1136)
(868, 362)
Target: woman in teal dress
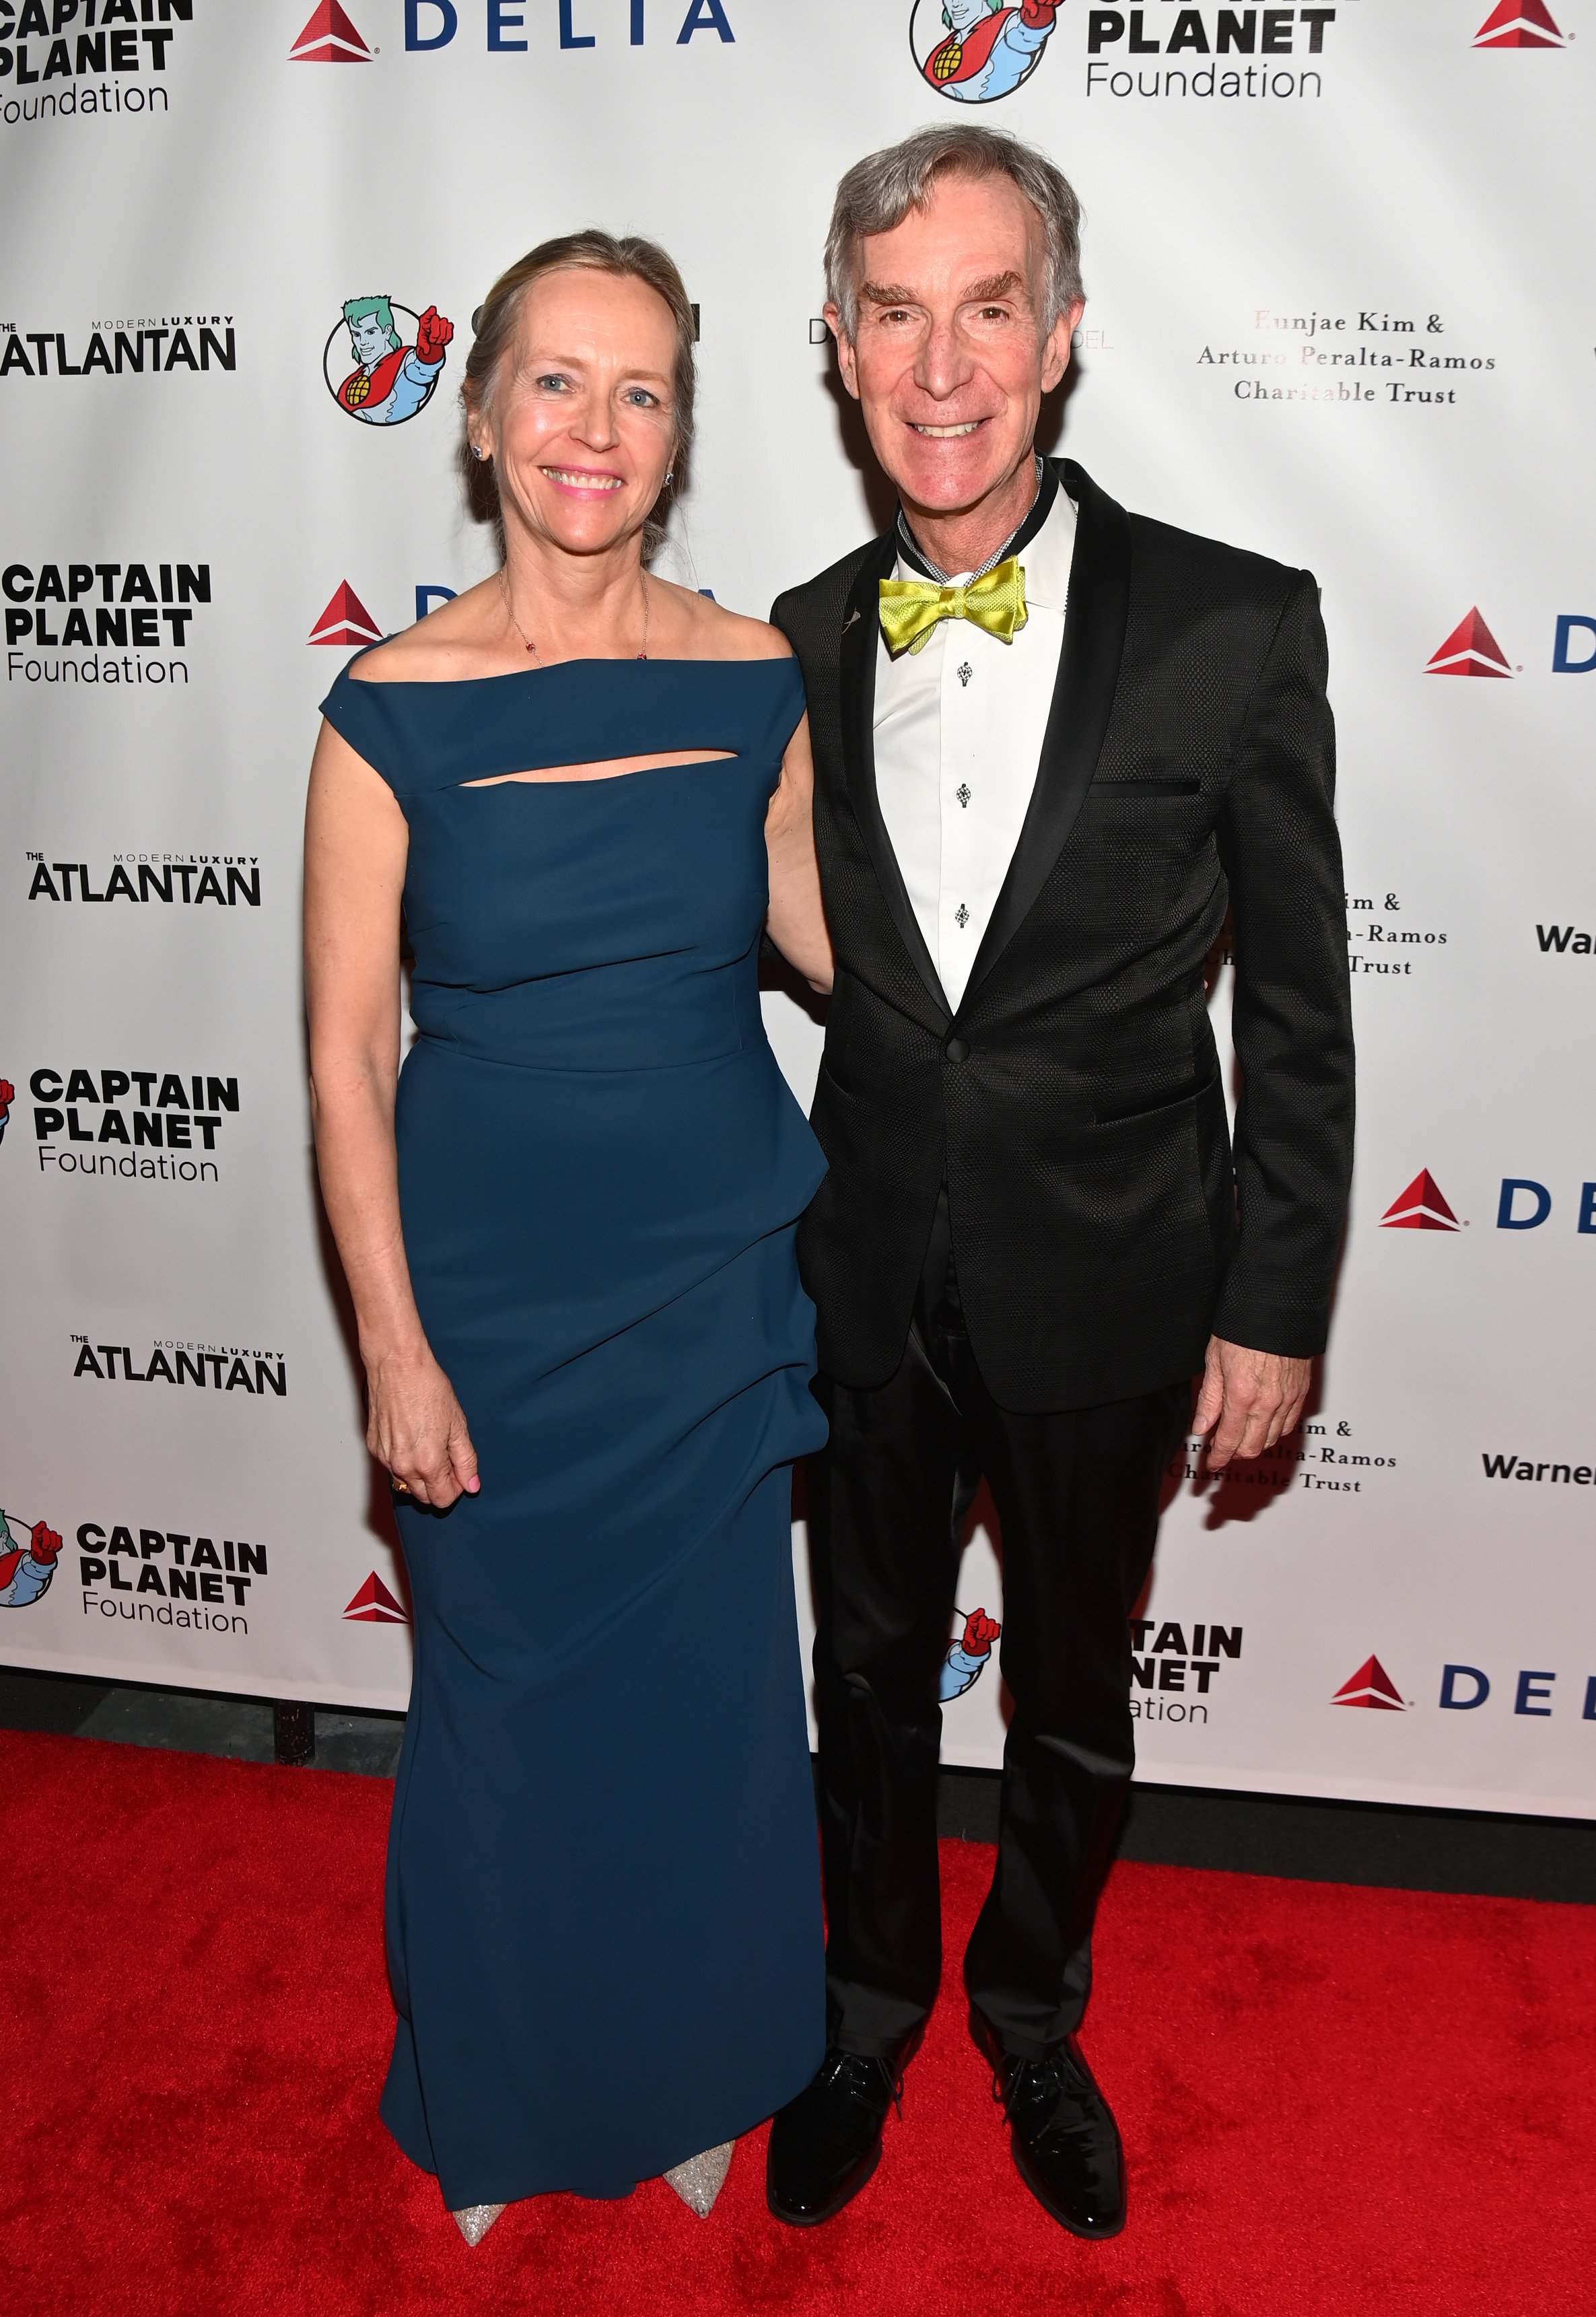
(568, 1226)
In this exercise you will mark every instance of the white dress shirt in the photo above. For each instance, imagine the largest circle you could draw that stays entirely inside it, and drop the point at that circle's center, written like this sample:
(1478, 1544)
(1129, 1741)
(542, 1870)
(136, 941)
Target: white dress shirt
(959, 727)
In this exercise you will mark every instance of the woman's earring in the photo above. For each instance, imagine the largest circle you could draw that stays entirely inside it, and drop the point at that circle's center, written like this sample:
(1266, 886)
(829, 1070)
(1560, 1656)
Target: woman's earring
(476, 449)
(669, 478)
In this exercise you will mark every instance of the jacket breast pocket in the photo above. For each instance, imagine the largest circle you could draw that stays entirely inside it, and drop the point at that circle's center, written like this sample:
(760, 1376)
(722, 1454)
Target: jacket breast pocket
(1140, 847)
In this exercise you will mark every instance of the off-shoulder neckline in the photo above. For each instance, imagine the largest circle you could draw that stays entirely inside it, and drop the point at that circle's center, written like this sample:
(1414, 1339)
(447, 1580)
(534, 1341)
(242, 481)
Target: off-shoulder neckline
(518, 674)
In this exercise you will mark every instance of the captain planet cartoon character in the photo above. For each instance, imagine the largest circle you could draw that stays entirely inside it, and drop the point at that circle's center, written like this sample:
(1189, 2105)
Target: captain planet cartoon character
(966, 1658)
(990, 49)
(27, 1562)
(391, 380)
(8, 1096)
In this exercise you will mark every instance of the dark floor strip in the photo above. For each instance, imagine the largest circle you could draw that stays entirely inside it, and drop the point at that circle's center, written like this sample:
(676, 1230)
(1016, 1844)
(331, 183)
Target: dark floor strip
(1380, 1844)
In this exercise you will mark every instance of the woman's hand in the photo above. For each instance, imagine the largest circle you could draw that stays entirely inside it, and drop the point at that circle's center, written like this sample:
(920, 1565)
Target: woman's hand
(416, 1429)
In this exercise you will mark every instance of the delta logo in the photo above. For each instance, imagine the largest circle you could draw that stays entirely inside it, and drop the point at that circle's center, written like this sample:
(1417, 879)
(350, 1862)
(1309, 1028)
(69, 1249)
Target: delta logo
(345, 623)
(375, 1604)
(1372, 1687)
(1471, 649)
(1421, 1207)
(1463, 1689)
(1523, 1204)
(330, 39)
(1519, 24)
(433, 24)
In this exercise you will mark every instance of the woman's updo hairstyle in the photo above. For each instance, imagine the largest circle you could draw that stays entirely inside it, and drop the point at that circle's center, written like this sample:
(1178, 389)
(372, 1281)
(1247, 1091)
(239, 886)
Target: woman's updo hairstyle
(495, 324)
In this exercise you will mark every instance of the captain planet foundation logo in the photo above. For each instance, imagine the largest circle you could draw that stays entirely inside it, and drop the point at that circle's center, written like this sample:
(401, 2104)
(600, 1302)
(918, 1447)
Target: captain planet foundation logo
(81, 624)
(171, 1577)
(975, 51)
(967, 1658)
(395, 369)
(28, 1556)
(158, 1125)
(63, 59)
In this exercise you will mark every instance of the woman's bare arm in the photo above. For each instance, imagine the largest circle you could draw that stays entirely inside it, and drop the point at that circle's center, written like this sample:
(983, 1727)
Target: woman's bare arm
(356, 842)
(796, 919)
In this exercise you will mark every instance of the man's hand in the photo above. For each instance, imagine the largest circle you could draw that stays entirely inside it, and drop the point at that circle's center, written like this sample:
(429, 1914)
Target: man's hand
(46, 1544)
(1249, 1399)
(1037, 15)
(433, 334)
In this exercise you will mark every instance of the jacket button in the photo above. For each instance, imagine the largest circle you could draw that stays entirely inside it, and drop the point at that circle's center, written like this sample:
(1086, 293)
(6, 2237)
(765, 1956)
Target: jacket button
(957, 1049)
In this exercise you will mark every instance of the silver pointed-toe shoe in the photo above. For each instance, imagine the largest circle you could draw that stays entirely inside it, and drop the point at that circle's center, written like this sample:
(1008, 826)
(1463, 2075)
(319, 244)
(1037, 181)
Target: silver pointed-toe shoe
(474, 2221)
(699, 2181)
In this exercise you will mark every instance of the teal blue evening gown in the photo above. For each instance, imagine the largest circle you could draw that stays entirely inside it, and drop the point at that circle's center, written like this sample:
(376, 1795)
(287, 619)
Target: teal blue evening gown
(604, 1917)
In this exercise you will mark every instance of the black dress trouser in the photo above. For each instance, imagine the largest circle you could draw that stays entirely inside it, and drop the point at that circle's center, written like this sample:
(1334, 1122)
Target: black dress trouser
(1077, 1495)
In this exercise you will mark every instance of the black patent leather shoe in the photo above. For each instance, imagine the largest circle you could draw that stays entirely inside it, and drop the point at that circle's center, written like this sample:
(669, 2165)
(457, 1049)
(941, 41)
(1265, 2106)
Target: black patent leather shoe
(825, 2144)
(1062, 2135)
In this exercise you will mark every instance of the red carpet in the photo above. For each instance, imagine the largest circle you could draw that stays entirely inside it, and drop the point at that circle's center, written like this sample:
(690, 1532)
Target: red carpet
(1333, 2099)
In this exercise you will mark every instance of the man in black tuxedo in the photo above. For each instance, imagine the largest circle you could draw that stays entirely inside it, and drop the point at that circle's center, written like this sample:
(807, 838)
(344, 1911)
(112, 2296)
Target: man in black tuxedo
(1053, 744)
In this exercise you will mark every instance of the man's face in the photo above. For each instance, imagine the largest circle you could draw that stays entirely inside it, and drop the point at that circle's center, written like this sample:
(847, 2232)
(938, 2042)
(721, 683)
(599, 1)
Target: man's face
(951, 363)
(965, 12)
(370, 339)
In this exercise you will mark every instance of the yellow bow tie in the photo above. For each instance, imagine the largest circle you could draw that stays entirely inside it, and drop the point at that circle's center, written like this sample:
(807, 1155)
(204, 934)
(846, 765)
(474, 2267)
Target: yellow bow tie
(911, 608)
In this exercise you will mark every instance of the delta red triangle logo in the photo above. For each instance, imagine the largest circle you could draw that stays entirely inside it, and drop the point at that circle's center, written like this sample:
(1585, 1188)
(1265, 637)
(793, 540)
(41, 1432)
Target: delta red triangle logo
(1371, 1686)
(1421, 1207)
(1519, 24)
(375, 1604)
(330, 39)
(1471, 649)
(346, 621)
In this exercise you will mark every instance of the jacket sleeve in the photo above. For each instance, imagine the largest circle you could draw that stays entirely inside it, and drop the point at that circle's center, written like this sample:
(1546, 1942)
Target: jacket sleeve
(1292, 1019)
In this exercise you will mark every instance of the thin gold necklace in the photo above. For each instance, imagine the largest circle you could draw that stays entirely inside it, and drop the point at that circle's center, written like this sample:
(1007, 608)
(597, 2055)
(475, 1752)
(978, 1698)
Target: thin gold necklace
(504, 589)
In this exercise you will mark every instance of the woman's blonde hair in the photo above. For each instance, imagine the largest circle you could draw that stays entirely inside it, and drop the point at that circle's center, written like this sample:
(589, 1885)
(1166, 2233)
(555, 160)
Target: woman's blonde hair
(628, 256)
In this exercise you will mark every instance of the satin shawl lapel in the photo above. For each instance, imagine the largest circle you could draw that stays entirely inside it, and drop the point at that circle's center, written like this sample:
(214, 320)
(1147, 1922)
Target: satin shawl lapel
(1083, 698)
(860, 635)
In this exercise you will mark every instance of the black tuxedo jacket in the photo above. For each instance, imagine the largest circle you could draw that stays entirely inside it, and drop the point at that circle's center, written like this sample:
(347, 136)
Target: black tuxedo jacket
(1102, 1224)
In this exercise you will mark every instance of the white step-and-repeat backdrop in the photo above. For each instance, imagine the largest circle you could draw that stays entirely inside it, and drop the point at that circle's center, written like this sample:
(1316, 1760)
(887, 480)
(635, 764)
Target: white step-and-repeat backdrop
(1342, 311)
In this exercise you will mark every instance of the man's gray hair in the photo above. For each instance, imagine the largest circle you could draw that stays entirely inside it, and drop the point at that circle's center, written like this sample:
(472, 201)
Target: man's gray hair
(878, 192)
